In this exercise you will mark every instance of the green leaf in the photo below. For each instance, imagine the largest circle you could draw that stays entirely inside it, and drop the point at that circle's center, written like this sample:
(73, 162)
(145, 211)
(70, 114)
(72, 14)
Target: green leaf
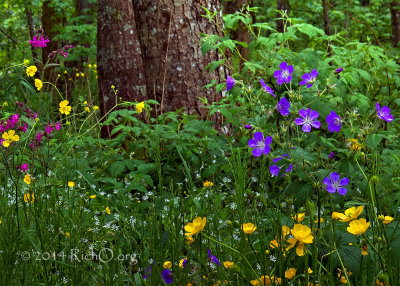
(116, 168)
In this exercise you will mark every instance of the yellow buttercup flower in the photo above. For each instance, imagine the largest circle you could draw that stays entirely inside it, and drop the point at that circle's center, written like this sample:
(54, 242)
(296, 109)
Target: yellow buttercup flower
(196, 226)
(352, 213)
(27, 179)
(182, 262)
(26, 62)
(87, 109)
(29, 198)
(67, 234)
(82, 74)
(189, 239)
(95, 107)
(248, 228)
(30, 71)
(92, 197)
(299, 217)
(290, 273)
(385, 219)
(337, 216)
(108, 210)
(208, 184)
(64, 107)
(9, 137)
(140, 107)
(302, 235)
(71, 184)
(77, 74)
(353, 144)
(228, 264)
(266, 281)
(321, 220)
(38, 84)
(89, 65)
(358, 227)
(309, 270)
(167, 264)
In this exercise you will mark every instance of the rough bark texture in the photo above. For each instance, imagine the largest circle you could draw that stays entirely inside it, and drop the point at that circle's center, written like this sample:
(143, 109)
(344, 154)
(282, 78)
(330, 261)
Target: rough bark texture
(282, 5)
(241, 34)
(395, 14)
(49, 21)
(118, 55)
(169, 34)
(31, 28)
(326, 17)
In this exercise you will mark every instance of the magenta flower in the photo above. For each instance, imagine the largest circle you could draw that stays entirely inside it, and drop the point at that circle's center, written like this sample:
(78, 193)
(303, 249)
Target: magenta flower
(334, 184)
(167, 276)
(260, 144)
(267, 88)
(58, 126)
(283, 106)
(48, 129)
(308, 119)
(384, 113)
(230, 82)
(23, 167)
(37, 42)
(334, 122)
(284, 74)
(309, 78)
(213, 258)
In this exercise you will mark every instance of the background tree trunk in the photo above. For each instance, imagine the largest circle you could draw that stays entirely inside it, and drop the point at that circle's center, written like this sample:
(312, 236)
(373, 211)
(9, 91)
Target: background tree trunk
(118, 55)
(326, 17)
(31, 27)
(169, 34)
(49, 22)
(241, 34)
(395, 14)
(282, 5)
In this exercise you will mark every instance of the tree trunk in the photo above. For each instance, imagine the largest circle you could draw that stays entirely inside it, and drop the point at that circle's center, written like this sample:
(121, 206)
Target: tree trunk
(49, 22)
(31, 28)
(282, 5)
(395, 14)
(326, 17)
(241, 34)
(119, 56)
(169, 34)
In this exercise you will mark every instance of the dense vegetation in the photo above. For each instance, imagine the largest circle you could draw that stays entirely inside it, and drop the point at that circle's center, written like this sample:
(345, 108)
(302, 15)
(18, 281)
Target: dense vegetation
(292, 178)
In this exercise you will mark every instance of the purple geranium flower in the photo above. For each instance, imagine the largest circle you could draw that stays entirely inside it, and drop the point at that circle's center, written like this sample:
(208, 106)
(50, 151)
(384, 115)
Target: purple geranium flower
(213, 258)
(230, 82)
(280, 158)
(339, 70)
(274, 170)
(147, 272)
(331, 156)
(334, 184)
(384, 113)
(260, 144)
(283, 106)
(334, 122)
(309, 79)
(248, 126)
(284, 74)
(308, 119)
(167, 275)
(267, 88)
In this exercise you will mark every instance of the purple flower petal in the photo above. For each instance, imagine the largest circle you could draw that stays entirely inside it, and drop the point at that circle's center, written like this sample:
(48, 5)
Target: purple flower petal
(339, 70)
(283, 66)
(257, 152)
(327, 181)
(288, 79)
(290, 168)
(266, 150)
(306, 128)
(290, 69)
(268, 140)
(316, 124)
(342, 191)
(306, 77)
(274, 170)
(167, 275)
(314, 73)
(304, 113)
(345, 181)
(313, 115)
(335, 177)
(230, 82)
(258, 136)
(331, 155)
(330, 189)
(252, 143)
(283, 106)
(277, 159)
(299, 121)
(302, 82)
(277, 74)
(248, 126)
(309, 85)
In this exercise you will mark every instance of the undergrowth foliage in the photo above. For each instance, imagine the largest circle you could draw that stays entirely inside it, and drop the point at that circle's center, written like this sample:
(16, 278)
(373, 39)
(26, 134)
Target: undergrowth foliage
(301, 190)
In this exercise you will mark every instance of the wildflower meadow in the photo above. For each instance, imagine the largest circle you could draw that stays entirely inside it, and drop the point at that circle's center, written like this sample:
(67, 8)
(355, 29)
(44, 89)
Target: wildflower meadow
(289, 175)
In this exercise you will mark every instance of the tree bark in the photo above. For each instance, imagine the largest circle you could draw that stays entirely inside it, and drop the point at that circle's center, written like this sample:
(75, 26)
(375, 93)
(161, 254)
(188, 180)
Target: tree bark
(169, 34)
(395, 15)
(49, 22)
(326, 17)
(31, 28)
(119, 57)
(285, 6)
